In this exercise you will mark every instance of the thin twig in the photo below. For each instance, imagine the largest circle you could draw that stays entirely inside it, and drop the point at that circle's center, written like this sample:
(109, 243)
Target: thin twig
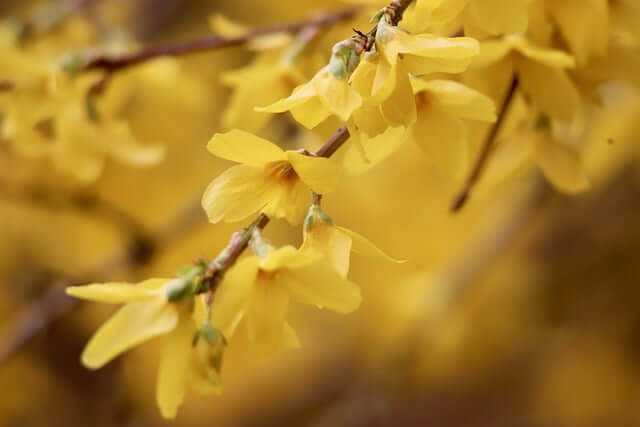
(461, 199)
(115, 62)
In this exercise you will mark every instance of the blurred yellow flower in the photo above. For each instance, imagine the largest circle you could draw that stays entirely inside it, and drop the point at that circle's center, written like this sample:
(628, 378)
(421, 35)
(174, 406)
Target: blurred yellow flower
(440, 130)
(542, 73)
(269, 180)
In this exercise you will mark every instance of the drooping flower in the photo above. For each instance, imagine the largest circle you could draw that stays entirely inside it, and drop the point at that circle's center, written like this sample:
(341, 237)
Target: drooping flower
(281, 64)
(269, 180)
(327, 93)
(382, 78)
(559, 162)
(542, 73)
(151, 308)
(479, 17)
(336, 243)
(440, 129)
(258, 289)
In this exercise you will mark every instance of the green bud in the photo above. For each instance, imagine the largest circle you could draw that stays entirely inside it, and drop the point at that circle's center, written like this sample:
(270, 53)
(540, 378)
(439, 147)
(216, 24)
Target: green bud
(338, 67)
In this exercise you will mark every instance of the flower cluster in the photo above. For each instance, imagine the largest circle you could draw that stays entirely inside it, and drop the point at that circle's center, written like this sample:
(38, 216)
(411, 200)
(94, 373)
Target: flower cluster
(527, 73)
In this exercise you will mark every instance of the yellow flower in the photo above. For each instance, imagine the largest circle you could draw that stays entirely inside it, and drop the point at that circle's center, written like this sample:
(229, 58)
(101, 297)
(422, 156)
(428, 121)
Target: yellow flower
(440, 130)
(258, 290)
(559, 162)
(479, 17)
(324, 95)
(152, 308)
(584, 24)
(382, 78)
(269, 180)
(280, 65)
(56, 117)
(542, 73)
(336, 243)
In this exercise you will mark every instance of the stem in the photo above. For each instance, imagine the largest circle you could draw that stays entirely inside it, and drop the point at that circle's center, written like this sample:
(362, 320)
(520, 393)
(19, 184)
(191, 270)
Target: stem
(461, 199)
(115, 62)
(335, 142)
(6, 85)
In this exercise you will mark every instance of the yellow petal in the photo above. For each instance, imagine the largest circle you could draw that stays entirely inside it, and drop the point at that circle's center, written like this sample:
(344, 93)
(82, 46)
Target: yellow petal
(289, 200)
(550, 57)
(377, 149)
(362, 246)
(116, 292)
(289, 337)
(310, 114)
(173, 373)
(400, 108)
(428, 54)
(133, 324)
(458, 99)
(491, 52)
(299, 96)
(320, 285)
(550, 89)
(322, 175)
(232, 295)
(242, 147)
(500, 16)
(561, 164)
(287, 257)
(331, 242)
(584, 24)
(265, 316)
(336, 94)
(443, 138)
(236, 194)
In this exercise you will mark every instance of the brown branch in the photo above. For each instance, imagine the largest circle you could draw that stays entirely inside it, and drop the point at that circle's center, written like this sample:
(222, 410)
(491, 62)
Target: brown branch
(461, 199)
(115, 62)
(6, 85)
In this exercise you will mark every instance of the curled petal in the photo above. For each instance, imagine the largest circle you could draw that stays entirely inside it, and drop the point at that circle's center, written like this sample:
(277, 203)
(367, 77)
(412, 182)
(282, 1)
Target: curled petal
(561, 164)
(133, 324)
(361, 245)
(116, 292)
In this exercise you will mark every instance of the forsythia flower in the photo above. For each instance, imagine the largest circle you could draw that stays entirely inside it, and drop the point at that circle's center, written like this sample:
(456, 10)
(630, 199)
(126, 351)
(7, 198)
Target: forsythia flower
(491, 17)
(281, 65)
(584, 24)
(559, 162)
(258, 290)
(152, 308)
(270, 180)
(336, 243)
(327, 93)
(541, 73)
(440, 131)
(382, 78)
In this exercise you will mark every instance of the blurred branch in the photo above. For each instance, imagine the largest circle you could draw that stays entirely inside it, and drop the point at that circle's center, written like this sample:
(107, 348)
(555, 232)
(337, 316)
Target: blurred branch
(82, 202)
(112, 63)
(38, 315)
(494, 243)
(461, 199)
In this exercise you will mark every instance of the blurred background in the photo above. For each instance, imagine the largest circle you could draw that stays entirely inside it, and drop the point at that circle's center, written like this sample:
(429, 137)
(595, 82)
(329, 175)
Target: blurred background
(520, 311)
